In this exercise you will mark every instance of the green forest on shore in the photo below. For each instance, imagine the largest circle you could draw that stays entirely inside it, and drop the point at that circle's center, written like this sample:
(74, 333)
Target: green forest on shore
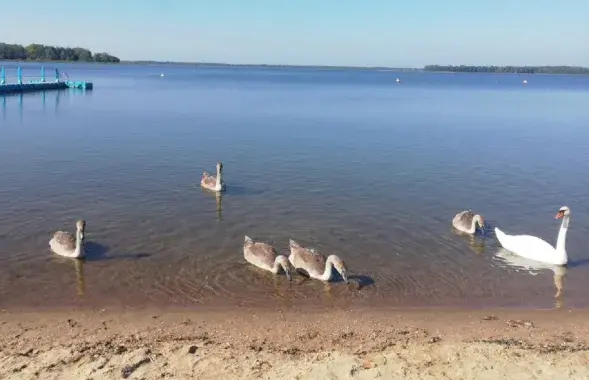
(509, 69)
(38, 52)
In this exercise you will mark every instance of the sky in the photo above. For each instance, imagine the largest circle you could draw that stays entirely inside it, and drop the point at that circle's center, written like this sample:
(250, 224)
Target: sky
(311, 32)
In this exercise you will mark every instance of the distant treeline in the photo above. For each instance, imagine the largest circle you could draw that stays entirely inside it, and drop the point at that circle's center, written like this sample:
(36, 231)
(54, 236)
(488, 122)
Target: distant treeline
(38, 52)
(510, 69)
(268, 66)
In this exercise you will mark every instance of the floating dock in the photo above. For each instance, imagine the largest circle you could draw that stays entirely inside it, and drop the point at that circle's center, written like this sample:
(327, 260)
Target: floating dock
(42, 84)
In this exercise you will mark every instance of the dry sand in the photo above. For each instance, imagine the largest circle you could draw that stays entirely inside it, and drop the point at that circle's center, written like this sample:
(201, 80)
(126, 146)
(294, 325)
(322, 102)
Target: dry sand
(255, 344)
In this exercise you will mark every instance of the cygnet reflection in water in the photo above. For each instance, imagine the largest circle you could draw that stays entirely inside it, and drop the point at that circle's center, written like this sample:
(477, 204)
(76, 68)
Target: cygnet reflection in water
(78, 266)
(218, 201)
(476, 243)
(81, 283)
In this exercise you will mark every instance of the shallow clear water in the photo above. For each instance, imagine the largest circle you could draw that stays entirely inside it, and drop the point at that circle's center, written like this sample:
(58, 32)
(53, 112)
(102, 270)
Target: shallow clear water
(346, 161)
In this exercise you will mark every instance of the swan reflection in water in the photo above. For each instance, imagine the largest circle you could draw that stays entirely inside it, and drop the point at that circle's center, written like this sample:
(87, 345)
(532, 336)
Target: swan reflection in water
(533, 267)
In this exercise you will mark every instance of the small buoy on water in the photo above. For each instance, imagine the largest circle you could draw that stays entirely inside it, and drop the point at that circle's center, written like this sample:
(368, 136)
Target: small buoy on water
(525, 82)
(398, 80)
(161, 75)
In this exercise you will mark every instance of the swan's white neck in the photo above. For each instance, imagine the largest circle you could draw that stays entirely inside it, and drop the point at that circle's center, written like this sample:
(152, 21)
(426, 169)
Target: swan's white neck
(277, 265)
(328, 269)
(79, 245)
(476, 219)
(562, 237)
(219, 183)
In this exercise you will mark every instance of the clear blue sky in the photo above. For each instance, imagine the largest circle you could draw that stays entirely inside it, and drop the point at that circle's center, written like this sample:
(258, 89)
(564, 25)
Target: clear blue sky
(331, 32)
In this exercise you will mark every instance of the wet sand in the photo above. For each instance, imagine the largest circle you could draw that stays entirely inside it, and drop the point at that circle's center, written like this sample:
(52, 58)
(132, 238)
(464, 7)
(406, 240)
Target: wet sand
(236, 343)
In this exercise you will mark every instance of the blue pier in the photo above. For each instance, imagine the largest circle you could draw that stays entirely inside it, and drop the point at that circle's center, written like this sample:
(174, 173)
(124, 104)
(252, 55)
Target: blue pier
(18, 85)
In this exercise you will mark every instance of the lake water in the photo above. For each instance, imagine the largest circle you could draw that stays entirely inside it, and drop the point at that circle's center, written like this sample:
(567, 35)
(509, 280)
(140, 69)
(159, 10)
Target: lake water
(346, 161)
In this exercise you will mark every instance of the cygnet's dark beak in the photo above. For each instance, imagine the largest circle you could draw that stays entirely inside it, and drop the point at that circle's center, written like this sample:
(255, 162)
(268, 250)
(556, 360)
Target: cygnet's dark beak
(287, 271)
(344, 274)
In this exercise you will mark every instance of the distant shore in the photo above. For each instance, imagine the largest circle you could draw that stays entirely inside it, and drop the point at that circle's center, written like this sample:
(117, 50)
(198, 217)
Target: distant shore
(572, 70)
(251, 344)
(35, 51)
(548, 70)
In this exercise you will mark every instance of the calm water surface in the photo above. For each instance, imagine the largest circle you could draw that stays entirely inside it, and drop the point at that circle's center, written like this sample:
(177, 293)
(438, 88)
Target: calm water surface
(348, 162)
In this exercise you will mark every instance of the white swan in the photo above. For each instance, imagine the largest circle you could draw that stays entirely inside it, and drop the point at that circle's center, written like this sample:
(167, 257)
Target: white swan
(534, 248)
(315, 264)
(211, 182)
(264, 256)
(65, 244)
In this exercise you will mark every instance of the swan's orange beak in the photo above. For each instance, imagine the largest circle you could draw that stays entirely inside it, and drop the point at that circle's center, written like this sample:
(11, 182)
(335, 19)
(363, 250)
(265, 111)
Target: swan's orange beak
(559, 215)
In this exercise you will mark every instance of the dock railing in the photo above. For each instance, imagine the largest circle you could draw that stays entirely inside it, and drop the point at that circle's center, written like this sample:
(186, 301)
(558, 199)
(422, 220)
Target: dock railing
(15, 76)
(13, 81)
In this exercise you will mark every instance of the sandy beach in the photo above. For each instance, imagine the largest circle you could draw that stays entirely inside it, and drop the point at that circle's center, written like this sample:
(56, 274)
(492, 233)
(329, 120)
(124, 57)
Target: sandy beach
(237, 343)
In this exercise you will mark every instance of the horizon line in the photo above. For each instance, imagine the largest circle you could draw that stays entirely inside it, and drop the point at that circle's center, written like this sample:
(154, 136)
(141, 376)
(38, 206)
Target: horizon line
(343, 66)
(332, 67)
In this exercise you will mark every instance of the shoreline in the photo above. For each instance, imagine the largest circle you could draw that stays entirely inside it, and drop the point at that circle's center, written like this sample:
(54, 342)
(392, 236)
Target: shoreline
(313, 67)
(252, 343)
(311, 308)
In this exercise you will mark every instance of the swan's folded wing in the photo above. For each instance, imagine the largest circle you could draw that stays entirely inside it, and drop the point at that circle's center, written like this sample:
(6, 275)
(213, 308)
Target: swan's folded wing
(209, 181)
(65, 240)
(309, 260)
(263, 253)
(464, 219)
(526, 245)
